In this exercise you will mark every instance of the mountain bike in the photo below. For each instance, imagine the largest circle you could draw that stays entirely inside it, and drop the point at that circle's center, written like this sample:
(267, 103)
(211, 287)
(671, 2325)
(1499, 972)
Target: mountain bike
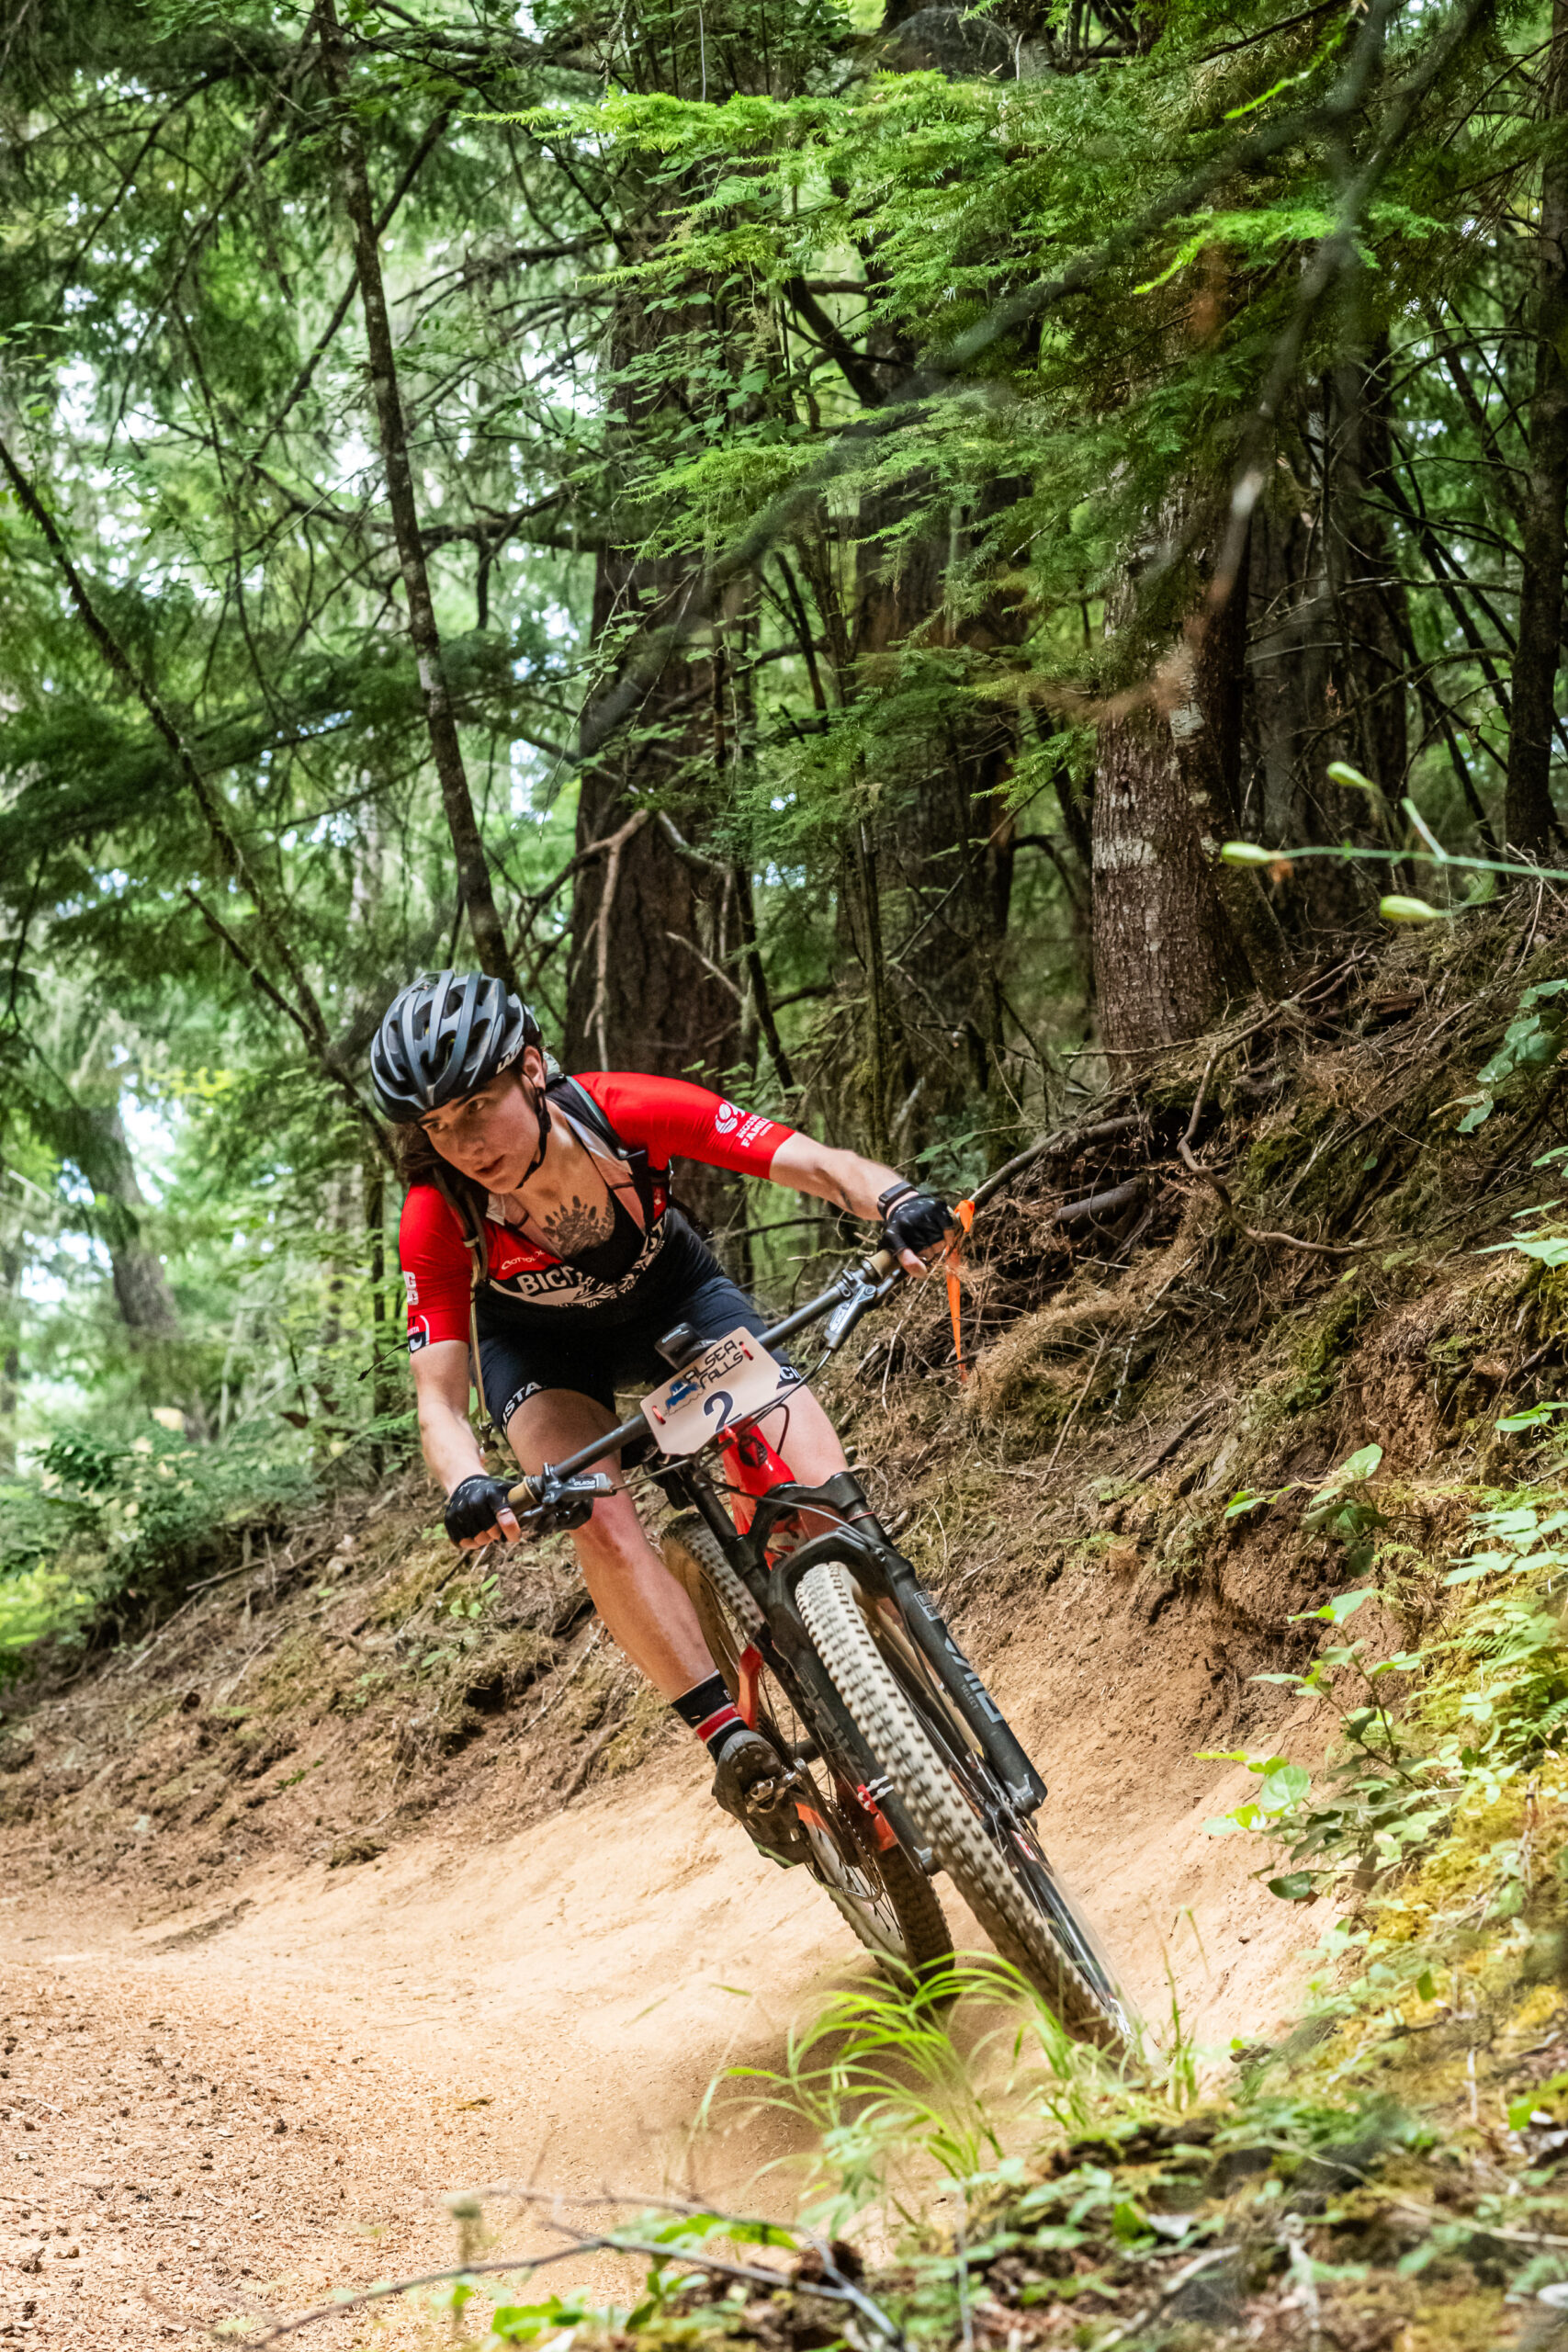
(898, 1762)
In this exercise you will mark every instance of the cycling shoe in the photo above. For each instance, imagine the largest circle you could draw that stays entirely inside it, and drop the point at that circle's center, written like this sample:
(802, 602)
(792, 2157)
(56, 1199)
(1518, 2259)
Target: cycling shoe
(752, 1782)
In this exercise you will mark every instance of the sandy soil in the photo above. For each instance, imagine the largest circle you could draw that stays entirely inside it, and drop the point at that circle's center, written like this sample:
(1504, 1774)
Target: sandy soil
(230, 2112)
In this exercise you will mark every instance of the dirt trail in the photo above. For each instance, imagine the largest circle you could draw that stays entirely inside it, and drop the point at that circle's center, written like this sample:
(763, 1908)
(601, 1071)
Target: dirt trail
(269, 2095)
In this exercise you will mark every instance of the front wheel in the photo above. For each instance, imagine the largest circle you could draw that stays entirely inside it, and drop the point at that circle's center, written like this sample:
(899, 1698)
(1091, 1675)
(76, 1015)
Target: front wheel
(988, 1850)
(889, 1904)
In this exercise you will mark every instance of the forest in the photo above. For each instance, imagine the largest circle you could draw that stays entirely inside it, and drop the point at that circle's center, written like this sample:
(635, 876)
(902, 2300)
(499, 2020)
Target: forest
(988, 583)
(790, 536)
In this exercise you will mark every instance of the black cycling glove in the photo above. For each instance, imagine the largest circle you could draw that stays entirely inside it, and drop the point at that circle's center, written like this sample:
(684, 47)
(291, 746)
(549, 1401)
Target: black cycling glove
(912, 1220)
(475, 1507)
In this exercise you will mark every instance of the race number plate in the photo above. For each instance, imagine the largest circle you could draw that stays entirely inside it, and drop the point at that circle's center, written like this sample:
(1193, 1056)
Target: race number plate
(730, 1379)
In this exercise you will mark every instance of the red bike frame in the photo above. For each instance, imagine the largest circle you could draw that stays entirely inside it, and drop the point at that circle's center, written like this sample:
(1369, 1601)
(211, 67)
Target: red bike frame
(752, 1468)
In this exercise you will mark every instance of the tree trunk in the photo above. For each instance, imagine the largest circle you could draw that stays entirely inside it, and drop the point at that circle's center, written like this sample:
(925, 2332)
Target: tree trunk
(657, 946)
(1293, 690)
(383, 1390)
(940, 840)
(1371, 624)
(102, 1150)
(10, 1352)
(654, 936)
(467, 847)
(648, 929)
(1167, 951)
(1529, 817)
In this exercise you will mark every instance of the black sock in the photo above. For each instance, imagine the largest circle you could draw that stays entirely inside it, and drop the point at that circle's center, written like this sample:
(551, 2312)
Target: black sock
(707, 1709)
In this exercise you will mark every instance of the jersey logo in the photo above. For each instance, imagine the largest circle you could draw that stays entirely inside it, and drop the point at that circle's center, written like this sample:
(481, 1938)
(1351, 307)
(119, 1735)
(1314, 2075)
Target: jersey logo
(725, 1118)
(412, 1289)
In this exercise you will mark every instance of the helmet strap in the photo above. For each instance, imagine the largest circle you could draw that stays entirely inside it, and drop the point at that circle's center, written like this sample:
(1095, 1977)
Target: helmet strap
(541, 1111)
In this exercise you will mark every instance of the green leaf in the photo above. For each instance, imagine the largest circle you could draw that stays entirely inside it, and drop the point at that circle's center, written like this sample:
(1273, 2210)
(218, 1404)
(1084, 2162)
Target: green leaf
(1341, 772)
(1295, 1887)
(1532, 1417)
(1335, 1611)
(1547, 1249)
(1242, 1502)
(1396, 908)
(1284, 1786)
(1247, 853)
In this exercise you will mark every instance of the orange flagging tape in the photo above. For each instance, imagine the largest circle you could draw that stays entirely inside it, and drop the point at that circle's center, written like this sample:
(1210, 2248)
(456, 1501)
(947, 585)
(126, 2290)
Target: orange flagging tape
(964, 1212)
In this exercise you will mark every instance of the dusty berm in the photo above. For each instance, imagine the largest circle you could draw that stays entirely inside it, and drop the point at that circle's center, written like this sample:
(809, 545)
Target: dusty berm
(389, 1847)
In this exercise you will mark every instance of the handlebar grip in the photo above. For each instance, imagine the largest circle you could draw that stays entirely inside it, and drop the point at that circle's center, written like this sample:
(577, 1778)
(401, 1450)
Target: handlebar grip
(884, 1262)
(523, 1493)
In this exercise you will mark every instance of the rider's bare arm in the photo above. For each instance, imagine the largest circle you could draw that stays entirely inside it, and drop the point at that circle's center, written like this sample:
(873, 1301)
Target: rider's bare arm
(446, 1434)
(841, 1177)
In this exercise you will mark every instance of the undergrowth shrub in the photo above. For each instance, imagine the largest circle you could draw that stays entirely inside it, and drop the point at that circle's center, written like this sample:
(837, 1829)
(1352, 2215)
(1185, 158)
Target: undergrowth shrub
(1479, 1705)
(107, 1522)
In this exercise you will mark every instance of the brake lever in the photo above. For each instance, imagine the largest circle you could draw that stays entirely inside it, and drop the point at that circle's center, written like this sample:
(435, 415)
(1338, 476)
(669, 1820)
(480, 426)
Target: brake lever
(864, 1295)
(560, 1504)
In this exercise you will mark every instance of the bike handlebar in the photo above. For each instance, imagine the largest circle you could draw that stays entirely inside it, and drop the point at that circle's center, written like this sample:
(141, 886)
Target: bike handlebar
(857, 1287)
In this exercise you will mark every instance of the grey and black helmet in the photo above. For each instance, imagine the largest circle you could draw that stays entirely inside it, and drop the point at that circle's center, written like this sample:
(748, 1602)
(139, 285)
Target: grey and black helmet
(444, 1036)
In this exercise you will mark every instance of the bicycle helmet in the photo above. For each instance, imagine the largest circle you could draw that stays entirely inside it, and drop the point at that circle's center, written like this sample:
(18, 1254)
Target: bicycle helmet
(443, 1036)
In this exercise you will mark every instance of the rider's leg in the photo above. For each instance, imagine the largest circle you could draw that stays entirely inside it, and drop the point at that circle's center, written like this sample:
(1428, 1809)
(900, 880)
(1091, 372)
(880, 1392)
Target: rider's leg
(648, 1614)
(643, 1608)
(801, 1431)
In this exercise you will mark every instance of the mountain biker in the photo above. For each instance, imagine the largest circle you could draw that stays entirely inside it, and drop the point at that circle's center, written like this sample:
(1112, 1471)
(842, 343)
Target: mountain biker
(541, 1251)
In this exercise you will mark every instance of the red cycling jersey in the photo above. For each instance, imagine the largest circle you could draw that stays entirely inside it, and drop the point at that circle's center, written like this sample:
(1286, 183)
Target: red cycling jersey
(662, 1116)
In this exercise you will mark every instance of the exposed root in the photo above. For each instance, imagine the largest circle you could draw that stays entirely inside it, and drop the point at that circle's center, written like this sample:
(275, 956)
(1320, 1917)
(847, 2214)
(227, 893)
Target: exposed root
(1084, 1310)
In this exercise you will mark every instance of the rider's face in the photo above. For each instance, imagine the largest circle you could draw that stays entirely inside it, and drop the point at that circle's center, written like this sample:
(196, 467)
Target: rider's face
(493, 1134)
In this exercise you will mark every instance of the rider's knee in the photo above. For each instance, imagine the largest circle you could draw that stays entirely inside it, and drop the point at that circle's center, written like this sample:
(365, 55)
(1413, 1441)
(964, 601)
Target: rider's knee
(613, 1537)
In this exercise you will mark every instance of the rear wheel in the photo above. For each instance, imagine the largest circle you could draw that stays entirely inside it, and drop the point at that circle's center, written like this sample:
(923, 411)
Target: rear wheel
(889, 1903)
(931, 1759)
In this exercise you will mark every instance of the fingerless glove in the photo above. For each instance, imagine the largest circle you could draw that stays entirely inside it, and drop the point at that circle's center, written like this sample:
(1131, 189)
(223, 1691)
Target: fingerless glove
(912, 1220)
(475, 1507)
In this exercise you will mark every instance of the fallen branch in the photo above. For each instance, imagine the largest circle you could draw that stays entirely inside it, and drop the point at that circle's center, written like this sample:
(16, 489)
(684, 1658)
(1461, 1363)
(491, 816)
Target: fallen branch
(836, 2290)
(1120, 1196)
(1172, 2286)
(1065, 1142)
(590, 1756)
(1163, 1452)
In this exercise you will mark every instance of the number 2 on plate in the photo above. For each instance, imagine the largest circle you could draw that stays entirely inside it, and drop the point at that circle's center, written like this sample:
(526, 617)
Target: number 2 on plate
(722, 1399)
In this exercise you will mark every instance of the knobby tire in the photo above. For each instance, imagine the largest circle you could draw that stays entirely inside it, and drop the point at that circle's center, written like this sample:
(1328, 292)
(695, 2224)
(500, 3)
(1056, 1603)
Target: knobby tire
(1056, 1956)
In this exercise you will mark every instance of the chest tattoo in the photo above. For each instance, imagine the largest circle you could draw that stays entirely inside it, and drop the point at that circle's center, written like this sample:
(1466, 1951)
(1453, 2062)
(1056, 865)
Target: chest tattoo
(577, 1225)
